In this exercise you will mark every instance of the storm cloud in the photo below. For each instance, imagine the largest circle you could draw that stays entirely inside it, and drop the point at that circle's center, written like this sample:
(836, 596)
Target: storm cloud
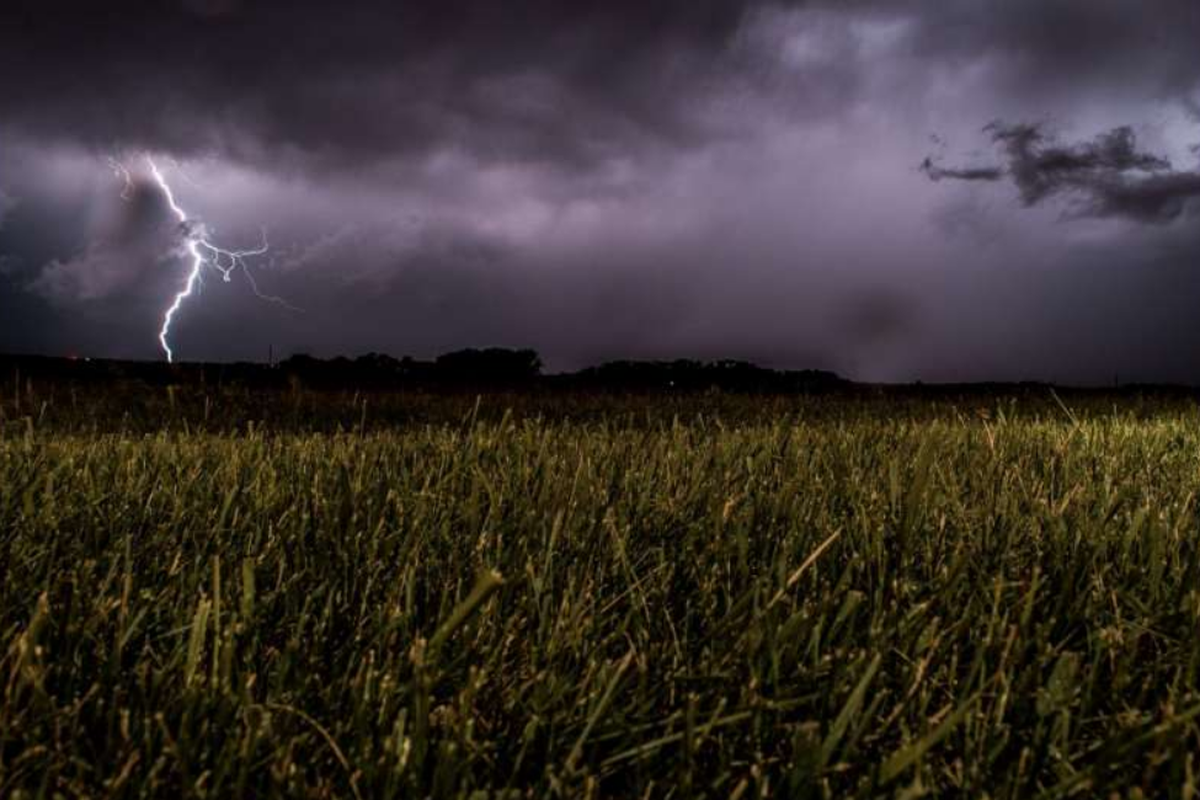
(614, 179)
(532, 80)
(1106, 177)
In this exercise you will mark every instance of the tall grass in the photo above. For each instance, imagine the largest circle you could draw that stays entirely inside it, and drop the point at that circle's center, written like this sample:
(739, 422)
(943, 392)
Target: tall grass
(802, 603)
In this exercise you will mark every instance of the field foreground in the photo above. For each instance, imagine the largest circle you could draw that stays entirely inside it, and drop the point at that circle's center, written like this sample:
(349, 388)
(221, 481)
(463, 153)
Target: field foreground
(796, 605)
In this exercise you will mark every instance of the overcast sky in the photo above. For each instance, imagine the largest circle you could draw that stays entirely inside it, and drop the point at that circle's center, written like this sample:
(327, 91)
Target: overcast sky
(895, 190)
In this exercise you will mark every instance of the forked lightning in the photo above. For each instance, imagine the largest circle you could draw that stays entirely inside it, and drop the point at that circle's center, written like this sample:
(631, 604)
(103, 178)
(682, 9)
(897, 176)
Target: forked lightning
(201, 252)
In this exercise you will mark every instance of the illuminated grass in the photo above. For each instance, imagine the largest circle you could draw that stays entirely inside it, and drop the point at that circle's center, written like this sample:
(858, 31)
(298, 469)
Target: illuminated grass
(813, 603)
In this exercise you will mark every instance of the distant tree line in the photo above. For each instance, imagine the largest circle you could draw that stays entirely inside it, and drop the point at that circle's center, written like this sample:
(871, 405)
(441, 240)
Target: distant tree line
(493, 367)
(490, 368)
(688, 375)
(520, 370)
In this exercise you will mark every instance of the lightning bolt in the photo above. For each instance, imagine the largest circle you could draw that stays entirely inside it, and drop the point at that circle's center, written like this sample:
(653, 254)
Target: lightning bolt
(201, 251)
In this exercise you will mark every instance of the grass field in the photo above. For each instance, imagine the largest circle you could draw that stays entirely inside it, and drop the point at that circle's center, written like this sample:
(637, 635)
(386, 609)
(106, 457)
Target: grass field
(688, 597)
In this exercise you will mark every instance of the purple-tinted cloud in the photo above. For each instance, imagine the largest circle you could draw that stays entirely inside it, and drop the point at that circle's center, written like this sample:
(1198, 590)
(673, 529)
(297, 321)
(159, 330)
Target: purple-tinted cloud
(613, 179)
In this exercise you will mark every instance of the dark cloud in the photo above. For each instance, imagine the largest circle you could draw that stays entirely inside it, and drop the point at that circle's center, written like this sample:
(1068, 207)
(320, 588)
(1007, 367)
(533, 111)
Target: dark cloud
(533, 79)
(1042, 48)
(936, 172)
(571, 84)
(609, 178)
(1106, 177)
(1041, 168)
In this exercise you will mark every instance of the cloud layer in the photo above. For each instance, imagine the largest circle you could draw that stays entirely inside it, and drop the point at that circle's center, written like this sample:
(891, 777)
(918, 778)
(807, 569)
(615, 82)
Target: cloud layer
(616, 179)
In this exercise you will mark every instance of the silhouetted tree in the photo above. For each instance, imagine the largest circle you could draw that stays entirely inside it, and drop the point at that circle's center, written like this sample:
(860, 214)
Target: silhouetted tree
(493, 365)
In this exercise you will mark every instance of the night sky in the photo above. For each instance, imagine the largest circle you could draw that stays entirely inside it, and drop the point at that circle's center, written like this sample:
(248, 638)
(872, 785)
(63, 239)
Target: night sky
(896, 190)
